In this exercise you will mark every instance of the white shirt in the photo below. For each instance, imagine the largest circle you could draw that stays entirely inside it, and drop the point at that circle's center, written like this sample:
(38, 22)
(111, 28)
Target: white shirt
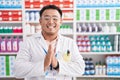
(29, 62)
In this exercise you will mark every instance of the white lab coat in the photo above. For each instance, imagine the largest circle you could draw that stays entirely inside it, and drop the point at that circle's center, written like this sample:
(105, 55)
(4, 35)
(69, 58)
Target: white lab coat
(29, 62)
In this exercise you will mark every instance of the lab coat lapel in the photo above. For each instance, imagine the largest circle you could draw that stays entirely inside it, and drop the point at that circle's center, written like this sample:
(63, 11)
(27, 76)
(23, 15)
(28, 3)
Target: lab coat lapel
(41, 42)
(58, 47)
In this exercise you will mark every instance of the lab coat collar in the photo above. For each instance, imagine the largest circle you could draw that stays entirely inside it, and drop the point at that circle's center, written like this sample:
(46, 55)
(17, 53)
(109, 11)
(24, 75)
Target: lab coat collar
(40, 37)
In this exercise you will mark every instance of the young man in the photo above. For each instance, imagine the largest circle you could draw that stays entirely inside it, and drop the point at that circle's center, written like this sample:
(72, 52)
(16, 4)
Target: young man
(49, 55)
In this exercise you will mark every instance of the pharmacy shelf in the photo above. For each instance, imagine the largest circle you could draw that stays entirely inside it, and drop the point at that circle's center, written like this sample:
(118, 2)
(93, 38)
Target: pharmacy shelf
(97, 33)
(33, 22)
(6, 77)
(8, 53)
(11, 34)
(100, 53)
(66, 33)
(97, 21)
(90, 8)
(9, 78)
(15, 22)
(98, 76)
(67, 21)
(11, 9)
(38, 9)
(37, 22)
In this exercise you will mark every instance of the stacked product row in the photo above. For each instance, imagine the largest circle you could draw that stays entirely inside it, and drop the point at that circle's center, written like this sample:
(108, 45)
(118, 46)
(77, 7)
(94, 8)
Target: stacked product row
(64, 29)
(94, 43)
(34, 16)
(7, 66)
(98, 14)
(113, 65)
(10, 15)
(10, 43)
(94, 69)
(111, 68)
(97, 3)
(94, 27)
(11, 4)
(41, 3)
(11, 29)
(31, 29)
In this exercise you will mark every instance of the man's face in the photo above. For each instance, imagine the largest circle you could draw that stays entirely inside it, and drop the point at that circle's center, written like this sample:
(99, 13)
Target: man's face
(50, 21)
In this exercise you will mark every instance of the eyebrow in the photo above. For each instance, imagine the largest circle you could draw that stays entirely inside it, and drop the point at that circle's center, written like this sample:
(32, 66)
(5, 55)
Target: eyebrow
(49, 16)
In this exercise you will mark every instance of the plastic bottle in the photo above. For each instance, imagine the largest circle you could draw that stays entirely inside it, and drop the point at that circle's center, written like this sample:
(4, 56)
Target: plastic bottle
(79, 28)
(84, 28)
(103, 69)
(15, 44)
(20, 40)
(106, 28)
(9, 44)
(113, 28)
(36, 16)
(96, 69)
(94, 28)
(27, 29)
(100, 28)
(27, 16)
(1, 29)
(32, 16)
(10, 29)
(32, 29)
(89, 28)
(100, 68)
(3, 44)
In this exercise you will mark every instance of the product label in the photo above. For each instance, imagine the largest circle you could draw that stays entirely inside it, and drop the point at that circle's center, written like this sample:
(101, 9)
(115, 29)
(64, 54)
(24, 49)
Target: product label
(3, 46)
(15, 48)
(9, 48)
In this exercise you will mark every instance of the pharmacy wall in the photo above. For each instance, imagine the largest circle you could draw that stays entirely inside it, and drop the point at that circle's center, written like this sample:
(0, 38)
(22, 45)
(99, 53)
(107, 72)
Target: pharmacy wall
(93, 24)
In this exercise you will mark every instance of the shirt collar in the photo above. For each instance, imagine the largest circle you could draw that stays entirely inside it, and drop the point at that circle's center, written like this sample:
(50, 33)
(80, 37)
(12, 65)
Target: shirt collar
(39, 35)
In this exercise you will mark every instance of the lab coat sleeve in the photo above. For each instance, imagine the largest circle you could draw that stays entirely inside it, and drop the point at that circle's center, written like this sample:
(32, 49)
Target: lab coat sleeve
(75, 67)
(23, 66)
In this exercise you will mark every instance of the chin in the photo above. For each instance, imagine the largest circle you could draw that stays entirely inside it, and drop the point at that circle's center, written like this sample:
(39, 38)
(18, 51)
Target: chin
(51, 33)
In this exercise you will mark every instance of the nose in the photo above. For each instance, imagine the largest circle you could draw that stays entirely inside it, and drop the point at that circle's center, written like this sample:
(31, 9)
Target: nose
(51, 20)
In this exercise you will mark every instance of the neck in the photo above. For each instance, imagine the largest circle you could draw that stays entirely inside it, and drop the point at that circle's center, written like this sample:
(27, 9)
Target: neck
(49, 37)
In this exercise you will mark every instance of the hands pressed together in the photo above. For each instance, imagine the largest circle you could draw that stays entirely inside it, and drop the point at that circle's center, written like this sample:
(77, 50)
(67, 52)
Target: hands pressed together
(50, 58)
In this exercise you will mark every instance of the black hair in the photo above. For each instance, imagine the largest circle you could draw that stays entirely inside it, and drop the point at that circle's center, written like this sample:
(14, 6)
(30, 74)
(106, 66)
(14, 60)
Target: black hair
(50, 7)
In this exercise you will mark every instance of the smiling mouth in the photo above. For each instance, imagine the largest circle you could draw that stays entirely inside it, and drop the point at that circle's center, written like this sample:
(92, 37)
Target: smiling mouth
(50, 27)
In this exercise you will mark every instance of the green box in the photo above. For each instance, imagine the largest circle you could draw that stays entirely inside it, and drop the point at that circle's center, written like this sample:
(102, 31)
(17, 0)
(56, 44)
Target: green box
(118, 28)
(87, 17)
(107, 17)
(97, 17)
(78, 15)
(97, 12)
(118, 17)
(107, 12)
(117, 11)
(87, 12)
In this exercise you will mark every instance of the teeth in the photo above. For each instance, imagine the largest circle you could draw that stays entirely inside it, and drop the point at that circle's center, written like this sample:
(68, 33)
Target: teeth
(50, 26)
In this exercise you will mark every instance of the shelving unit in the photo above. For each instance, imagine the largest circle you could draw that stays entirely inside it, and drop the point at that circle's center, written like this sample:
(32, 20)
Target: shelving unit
(89, 12)
(79, 11)
(11, 26)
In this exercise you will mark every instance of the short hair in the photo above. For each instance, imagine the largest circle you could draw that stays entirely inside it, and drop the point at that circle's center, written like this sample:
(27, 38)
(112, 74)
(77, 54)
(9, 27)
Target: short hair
(50, 7)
